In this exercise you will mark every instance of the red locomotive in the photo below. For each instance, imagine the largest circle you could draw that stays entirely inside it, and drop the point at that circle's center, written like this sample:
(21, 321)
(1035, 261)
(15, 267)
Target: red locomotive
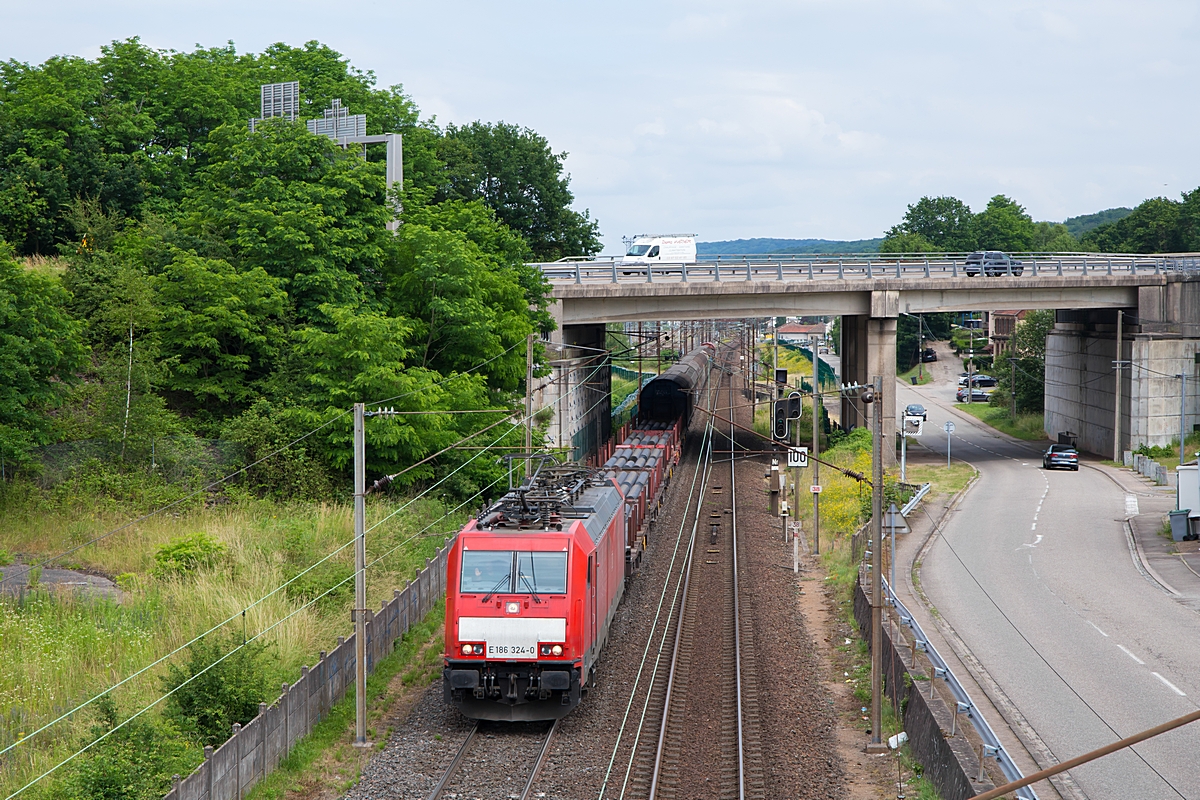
(534, 582)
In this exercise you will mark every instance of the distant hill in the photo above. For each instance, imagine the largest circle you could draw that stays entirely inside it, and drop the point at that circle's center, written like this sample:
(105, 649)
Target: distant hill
(760, 246)
(1080, 225)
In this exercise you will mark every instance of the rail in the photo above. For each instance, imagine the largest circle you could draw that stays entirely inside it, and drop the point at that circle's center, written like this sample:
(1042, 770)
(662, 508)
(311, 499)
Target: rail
(901, 266)
(991, 744)
(916, 498)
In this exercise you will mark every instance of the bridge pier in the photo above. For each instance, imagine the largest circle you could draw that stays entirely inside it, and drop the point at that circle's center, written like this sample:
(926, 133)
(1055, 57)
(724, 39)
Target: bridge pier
(1161, 341)
(577, 390)
(868, 348)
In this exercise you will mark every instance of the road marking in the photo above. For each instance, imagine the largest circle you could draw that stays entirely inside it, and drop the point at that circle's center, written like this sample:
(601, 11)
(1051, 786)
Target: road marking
(1033, 527)
(1170, 685)
(1097, 627)
(1131, 506)
(1131, 655)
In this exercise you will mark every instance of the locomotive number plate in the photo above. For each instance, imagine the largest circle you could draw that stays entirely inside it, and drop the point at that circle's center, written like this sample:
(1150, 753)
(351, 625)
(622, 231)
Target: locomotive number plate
(512, 650)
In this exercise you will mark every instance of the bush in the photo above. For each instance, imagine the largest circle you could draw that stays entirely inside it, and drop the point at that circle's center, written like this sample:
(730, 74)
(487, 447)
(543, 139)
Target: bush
(5, 558)
(135, 762)
(184, 555)
(211, 693)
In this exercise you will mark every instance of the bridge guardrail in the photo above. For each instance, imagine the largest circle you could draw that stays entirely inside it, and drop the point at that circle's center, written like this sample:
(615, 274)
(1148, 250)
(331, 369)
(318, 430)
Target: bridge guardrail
(802, 267)
(992, 745)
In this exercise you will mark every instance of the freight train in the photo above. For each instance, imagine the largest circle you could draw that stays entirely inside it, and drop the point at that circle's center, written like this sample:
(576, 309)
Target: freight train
(534, 581)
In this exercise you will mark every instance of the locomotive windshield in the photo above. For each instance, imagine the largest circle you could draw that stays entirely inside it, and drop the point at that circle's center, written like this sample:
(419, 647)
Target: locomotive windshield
(492, 571)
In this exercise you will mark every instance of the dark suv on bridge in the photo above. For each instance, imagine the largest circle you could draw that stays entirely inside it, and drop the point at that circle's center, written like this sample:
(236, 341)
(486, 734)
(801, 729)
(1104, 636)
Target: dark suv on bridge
(992, 263)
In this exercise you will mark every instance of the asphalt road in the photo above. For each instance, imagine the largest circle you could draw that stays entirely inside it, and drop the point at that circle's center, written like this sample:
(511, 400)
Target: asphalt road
(1034, 572)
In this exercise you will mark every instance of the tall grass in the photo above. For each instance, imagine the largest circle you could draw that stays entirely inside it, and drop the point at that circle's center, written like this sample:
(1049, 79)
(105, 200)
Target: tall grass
(58, 649)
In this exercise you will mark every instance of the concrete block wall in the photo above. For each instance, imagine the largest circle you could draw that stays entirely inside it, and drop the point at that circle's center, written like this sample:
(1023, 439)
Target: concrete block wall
(949, 762)
(254, 751)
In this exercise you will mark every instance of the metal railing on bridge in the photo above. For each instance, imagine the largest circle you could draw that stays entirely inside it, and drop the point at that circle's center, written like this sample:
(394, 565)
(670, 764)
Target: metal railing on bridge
(846, 266)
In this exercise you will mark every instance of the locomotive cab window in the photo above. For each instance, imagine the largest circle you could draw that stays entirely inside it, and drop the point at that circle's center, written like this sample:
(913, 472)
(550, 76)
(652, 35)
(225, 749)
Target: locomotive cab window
(492, 572)
(542, 572)
(486, 571)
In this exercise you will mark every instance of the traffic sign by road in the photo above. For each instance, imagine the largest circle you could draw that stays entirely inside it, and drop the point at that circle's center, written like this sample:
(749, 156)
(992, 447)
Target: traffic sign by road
(798, 457)
(948, 427)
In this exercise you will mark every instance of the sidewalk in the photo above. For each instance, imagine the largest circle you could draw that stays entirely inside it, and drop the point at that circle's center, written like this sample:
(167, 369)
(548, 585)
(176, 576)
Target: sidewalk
(1175, 566)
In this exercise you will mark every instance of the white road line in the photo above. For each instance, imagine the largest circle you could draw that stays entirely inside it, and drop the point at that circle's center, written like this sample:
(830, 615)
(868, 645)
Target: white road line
(1097, 627)
(1033, 527)
(1131, 506)
(1170, 685)
(1131, 655)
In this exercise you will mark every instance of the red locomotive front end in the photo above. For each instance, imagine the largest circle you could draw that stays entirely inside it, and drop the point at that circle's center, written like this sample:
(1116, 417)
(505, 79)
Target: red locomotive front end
(531, 588)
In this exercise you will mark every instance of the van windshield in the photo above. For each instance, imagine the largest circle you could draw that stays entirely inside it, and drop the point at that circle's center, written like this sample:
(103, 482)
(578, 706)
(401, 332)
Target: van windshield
(638, 250)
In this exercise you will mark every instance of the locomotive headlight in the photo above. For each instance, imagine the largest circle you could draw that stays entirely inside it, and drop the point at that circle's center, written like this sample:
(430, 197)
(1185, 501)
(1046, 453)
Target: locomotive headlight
(556, 650)
(467, 649)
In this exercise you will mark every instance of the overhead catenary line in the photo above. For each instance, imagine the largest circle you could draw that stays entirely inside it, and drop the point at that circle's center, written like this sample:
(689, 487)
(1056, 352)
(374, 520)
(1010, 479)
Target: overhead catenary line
(284, 585)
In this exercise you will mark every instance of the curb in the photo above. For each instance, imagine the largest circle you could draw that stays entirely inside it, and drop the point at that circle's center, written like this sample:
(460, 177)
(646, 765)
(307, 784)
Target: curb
(1143, 564)
(1035, 748)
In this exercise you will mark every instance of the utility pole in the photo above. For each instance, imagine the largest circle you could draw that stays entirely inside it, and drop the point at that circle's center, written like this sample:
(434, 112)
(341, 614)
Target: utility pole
(876, 744)
(775, 365)
(360, 578)
(1182, 412)
(1117, 408)
(1012, 386)
(529, 403)
(816, 451)
(920, 347)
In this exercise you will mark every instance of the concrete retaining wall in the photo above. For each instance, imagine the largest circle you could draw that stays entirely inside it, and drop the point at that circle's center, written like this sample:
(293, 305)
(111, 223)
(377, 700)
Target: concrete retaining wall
(948, 761)
(253, 752)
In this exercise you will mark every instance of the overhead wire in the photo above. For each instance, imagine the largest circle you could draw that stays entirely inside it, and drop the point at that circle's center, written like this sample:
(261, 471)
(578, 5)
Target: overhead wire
(291, 580)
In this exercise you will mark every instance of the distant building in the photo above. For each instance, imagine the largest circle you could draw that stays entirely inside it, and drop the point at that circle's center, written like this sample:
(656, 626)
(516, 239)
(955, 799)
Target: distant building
(1003, 325)
(799, 333)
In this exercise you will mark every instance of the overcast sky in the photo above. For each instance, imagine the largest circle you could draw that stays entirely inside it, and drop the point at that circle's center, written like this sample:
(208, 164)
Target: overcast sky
(778, 119)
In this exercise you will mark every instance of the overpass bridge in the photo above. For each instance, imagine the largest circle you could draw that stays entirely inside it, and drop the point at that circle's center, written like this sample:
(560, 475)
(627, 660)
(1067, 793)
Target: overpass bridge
(1160, 295)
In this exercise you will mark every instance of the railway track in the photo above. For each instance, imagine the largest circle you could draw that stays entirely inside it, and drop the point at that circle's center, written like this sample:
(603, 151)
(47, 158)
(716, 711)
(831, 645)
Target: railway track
(496, 753)
(696, 733)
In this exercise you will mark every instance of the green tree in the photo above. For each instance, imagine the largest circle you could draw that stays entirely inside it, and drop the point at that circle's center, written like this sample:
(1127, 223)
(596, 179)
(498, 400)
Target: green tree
(1026, 359)
(898, 241)
(1052, 237)
(41, 353)
(220, 330)
(514, 171)
(1003, 225)
(944, 222)
(221, 682)
(309, 214)
(133, 762)
(1155, 226)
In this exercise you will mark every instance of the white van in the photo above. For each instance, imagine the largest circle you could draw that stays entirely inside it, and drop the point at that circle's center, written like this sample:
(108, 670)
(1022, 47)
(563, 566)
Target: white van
(675, 248)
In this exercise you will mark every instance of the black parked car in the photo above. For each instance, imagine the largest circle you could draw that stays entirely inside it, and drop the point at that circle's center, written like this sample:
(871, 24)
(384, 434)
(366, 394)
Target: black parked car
(992, 263)
(1061, 455)
(977, 396)
(928, 354)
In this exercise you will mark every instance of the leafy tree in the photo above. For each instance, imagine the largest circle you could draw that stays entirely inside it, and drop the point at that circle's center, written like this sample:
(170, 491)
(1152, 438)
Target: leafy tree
(219, 328)
(134, 762)
(1052, 237)
(41, 352)
(1027, 351)
(308, 213)
(1003, 225)
(944, 222)
(898, 241)
(221, 682)
(1155, 226)
(517, 175)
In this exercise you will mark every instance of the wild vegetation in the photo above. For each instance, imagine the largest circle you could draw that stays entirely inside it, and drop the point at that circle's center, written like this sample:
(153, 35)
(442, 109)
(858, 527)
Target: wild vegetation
(947, 224)
(184, 299)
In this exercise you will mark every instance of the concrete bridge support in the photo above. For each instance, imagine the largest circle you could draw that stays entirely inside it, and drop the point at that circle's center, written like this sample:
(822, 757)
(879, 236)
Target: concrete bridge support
(577, 390)
(1161, 341)
(868, 348)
